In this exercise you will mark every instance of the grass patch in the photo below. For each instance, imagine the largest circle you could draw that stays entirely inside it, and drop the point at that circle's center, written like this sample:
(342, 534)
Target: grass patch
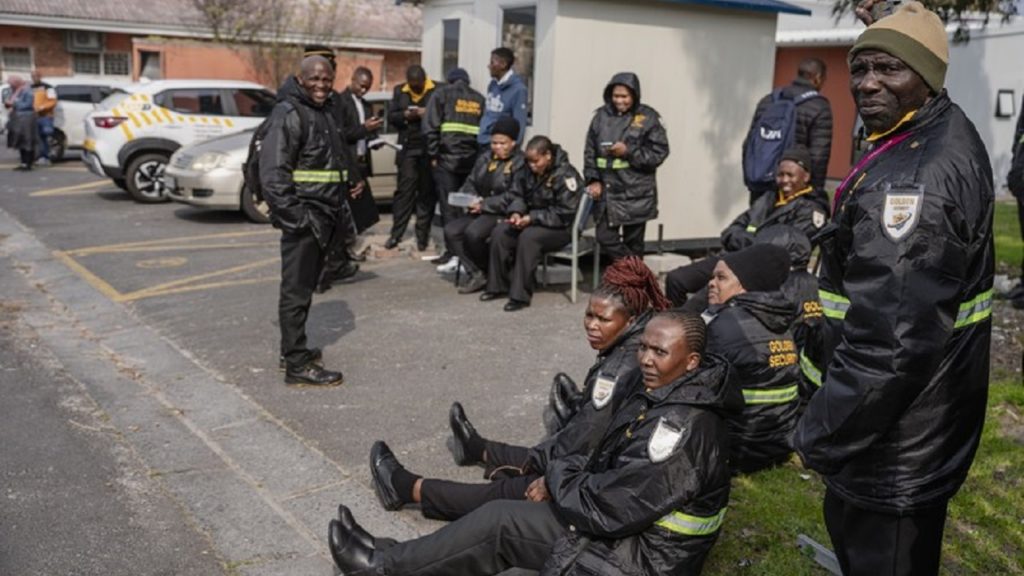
(984, 531)
(1009, 247)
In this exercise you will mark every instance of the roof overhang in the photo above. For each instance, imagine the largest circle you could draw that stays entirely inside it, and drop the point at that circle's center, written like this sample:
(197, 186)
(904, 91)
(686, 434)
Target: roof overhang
(771, 6)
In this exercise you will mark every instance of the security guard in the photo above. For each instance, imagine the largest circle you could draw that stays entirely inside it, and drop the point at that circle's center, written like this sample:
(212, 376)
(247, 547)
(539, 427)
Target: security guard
(451, 127)
(649, 500)
(305, 172)
(539, 221)
(415, 184)
(749, 325)
(906, 286)
(626, 143)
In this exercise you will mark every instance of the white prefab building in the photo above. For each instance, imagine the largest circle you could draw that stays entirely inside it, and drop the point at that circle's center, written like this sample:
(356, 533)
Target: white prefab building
(703, 64)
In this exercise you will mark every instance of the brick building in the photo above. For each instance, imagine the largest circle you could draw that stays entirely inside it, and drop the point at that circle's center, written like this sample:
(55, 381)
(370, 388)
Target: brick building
(127, 40)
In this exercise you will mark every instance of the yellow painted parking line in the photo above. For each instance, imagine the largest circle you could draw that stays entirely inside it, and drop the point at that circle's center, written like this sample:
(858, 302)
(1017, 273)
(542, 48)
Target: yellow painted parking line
(86, 188)
(166, 241)
(197, 287)
(182, 283)
(174, 247)
(93, 280)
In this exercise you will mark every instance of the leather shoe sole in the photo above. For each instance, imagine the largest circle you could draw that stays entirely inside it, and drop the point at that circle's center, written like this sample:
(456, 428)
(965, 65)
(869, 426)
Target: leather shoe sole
(462, 431)
(382, 465)
(488, 296)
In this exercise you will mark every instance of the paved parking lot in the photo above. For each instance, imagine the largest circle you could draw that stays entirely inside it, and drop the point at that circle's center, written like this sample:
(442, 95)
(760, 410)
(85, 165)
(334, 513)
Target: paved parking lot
(186, 300)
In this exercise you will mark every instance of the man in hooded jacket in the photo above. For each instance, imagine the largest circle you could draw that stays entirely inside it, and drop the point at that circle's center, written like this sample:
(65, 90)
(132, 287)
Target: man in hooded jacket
(626, 143)
(906, 287)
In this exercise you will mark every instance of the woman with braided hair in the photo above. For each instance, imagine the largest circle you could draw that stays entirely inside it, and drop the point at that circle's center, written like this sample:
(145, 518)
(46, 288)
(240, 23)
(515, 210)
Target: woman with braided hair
(616, 315)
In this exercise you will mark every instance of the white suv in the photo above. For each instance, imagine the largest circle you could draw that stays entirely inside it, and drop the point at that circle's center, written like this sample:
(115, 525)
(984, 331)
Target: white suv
(76, 98)
(134, 133)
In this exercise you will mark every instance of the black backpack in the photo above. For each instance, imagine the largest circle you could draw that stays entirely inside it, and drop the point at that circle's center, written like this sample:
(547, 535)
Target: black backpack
(251, 167)
(770, 135)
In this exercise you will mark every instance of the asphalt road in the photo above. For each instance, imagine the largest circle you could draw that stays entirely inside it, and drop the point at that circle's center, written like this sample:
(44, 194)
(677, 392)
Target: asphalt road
(166, 315)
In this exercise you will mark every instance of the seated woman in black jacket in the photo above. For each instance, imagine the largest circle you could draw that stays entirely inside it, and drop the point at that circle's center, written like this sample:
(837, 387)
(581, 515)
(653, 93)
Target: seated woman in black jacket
(749, 324)
(492, 179)
(539, 220)
(795, 204)
(614, 320)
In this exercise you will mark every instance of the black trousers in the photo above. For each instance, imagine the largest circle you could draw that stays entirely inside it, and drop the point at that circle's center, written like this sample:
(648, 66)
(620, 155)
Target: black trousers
(869, 543)
(415, 192)
(515, 255)
(467, 236)
(302, 260)
(493, 538)
(686, 280)
(506, 470)
(1020, 219)
(620, 241)
(446, 181)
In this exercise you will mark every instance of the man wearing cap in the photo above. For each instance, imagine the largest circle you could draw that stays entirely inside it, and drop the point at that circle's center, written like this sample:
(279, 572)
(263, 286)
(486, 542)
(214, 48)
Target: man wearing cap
(906, 287)
(451, 127)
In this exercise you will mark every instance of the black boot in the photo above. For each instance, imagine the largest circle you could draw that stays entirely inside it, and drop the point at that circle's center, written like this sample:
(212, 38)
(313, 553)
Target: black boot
(349, 553)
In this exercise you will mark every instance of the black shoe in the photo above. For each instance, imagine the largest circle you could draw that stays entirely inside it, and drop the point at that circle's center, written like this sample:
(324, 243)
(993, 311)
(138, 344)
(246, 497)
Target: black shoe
(348, 522)
(347, 549)
(488, 296)
(564, 397)
(422, 246)
(312, 374)
(443, 258)
(391, 244)
(316, 357)
(360, 256)
(474, 283)
(515, 305)
(462, 431)
(382, 466)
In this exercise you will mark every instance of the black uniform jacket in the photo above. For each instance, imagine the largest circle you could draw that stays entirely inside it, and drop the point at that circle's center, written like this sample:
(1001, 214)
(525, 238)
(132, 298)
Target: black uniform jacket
(452, 125)
(304, 174)
(494, 180)
(906, 285)
(803, 212)
(651, 498)
(752, 332)
(410, 132)
(588, 424)
(550, 199)
(1015, 178)
(352, 129)
(630, 187)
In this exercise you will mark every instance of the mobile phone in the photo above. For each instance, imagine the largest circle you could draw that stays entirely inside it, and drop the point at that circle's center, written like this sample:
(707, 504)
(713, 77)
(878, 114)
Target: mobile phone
(882, 8)
(606, 145)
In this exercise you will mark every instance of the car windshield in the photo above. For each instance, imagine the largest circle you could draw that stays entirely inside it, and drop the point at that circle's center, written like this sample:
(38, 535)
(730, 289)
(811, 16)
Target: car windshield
(115, 98)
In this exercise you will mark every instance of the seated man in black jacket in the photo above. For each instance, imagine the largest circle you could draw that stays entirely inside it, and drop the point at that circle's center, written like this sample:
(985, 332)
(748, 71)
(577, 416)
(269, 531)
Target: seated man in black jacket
(794, 204)
(650, 500)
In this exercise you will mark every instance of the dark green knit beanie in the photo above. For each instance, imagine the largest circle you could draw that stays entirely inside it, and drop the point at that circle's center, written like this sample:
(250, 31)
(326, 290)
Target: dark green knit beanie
(916, 36)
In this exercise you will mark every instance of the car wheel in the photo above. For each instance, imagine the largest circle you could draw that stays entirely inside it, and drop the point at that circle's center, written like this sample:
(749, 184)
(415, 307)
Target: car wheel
(56, 142)
(145, 178)
(254, 207)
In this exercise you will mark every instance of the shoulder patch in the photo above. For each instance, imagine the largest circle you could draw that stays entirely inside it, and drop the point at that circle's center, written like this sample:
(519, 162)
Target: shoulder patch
(818, 218)
(604, 388)
(638, 120)
(570, 183)
(664, 440)
(901, 211)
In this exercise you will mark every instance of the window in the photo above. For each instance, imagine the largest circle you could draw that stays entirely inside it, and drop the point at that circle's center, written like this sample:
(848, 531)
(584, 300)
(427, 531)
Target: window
(101, 63)
(253, 102)
(16, 59)
(116, 64)
(150, 65)
(519, 33)
(84, 63)
(450, 49)
(191, 101)
(69, 93)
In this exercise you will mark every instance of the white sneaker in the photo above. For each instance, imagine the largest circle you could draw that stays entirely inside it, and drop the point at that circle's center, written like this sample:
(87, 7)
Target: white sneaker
(449, 266)
(43, 162)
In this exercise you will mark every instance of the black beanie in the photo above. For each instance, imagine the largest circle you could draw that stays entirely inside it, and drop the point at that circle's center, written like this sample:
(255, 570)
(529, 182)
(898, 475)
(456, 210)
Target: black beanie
(506, 125)
(798, 154)
(760, 268)
(456, 74)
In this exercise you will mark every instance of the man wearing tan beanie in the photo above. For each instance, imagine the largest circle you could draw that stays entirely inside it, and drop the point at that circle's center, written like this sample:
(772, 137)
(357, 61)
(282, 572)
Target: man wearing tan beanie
(906, 288)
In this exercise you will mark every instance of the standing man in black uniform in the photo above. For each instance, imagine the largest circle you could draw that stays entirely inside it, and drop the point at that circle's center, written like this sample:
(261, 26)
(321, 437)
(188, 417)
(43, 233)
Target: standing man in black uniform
(451, 128)
(906, 287)
(415, 184)
(359, 128)
(626, 143)
(305, 172)
(649, 500)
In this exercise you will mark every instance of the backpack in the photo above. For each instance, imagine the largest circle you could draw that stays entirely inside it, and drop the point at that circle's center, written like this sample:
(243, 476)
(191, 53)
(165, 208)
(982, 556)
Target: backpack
(770, 135)
(251, 167)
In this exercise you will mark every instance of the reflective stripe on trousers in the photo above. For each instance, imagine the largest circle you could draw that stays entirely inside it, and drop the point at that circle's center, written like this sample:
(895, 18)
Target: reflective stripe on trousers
(681, 523)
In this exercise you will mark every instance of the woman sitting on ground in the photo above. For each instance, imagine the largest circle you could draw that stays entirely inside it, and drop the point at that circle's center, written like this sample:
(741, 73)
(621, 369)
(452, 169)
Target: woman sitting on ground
(615, 318)
(539, 220)
(491, 180)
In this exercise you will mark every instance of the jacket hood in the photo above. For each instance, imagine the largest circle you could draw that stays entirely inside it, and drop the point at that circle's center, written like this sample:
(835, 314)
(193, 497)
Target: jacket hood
(627, 79)
(707, 387)
(559, 158)
(291, 90)
(772, 309)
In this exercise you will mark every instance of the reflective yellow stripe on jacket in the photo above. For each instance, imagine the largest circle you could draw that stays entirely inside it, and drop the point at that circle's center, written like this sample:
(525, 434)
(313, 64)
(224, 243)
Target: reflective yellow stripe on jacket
(975, 310)
(751, 228)
(460, 127)
(771, 396)
(833, 305)
(617, 164)
(681, 523)
(810, 370)
(320, 176)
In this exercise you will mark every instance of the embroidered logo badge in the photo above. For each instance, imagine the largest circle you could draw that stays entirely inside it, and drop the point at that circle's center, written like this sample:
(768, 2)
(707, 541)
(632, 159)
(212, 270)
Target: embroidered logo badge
(818, 218)
(664, 440)
(570, 183)
(901, 212)
(638, 120)
(604, 387)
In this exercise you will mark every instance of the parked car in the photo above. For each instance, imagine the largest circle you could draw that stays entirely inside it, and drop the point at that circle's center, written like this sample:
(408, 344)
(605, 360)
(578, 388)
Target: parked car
(209, 174)
(5, 114)
(133, 134)
(76, 98)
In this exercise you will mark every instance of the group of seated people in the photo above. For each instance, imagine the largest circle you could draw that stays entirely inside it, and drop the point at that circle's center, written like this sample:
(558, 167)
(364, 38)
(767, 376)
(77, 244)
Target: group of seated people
(634, 474)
